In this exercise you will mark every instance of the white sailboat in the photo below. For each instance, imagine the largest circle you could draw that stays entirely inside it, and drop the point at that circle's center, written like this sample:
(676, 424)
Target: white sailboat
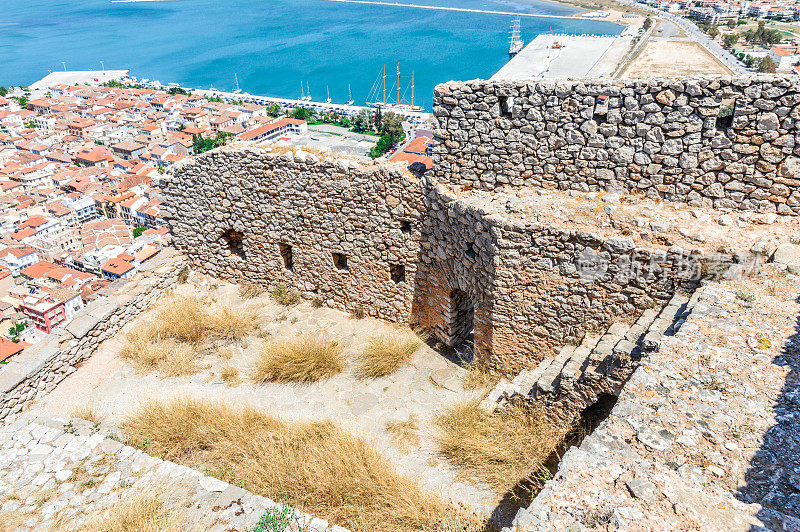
(305, 96)
(328, 99)
(237, 90)
(515, 39)
(397, 105)
(350, 100)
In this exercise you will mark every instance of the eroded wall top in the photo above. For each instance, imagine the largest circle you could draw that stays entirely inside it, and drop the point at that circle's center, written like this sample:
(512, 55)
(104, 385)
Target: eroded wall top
(723, 142)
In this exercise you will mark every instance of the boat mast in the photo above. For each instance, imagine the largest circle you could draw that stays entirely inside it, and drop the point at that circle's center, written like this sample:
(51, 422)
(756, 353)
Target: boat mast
(412, 90)
(302, 91)
(384, 84)
(398, 83)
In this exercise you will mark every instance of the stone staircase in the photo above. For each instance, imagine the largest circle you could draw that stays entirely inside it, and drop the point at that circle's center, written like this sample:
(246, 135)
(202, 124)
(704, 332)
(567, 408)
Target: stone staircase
(592, 366)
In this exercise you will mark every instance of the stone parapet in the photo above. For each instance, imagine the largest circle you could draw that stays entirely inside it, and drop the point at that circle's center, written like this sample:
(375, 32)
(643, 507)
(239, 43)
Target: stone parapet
(38, 369)
(729, 142)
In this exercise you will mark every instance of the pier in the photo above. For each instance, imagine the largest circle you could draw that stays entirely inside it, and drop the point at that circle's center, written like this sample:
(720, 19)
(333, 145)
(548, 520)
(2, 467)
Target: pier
(563, 56)
(459, 9)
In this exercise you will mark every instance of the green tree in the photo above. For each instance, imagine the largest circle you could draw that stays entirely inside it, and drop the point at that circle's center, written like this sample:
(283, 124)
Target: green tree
(200, 144)
(137, 231)
(393, 126)
(766, 64)
(301, 113)
(361, 121)
(378, 120)
(731, 23)
(30, 124)
(16, 330)
(384, 144)
(3, 91)
(648, 22)
(713, 31)
(274, 110)
(729, 40)
(23, 101)
(178, 90)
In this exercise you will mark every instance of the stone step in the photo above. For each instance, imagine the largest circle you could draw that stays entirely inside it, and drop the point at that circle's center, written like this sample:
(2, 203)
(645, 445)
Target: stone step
(547, 382)
(621, 343)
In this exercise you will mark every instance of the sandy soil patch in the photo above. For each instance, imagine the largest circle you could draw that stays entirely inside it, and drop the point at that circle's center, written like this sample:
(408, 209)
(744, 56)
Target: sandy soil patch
(675, 59)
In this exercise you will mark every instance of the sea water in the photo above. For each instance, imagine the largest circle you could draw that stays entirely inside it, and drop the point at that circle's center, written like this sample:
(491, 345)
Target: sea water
(272, 46)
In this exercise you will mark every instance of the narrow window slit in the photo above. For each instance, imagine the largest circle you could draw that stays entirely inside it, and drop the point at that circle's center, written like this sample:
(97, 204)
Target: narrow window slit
(397, 272)
(287, 256)
(234, 242)
(339, 260)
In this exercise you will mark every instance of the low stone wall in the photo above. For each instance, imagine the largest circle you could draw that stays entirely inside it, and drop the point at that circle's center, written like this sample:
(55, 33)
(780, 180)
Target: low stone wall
(89, 472)
(662, 137)
(38, 369)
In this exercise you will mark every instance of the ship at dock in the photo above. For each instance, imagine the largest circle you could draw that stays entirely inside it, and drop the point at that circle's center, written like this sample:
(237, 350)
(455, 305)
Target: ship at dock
(515, 42)
(384, 103)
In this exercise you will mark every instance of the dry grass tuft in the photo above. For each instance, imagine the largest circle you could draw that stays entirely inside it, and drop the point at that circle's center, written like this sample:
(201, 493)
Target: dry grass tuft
(226, 324)
(314, 466)
(384, 355)
(182, 319)
(143, 511)
(171, 343)
(501, 449)
(404, 433)
(150, 352)
(230, 375)
(307, 358)
(250, 290)
(478, 378)
(86, 412)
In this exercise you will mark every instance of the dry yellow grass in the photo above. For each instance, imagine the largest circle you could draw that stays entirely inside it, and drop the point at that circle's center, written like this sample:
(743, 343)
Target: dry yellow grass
(142, 511)
(500, 449)
(86, 412)
(250, 290)
(172, 342)
(383, 355)
(478, 377)
(153, 353)
(226, 324)
(307, 358)
(314, 466)
(229, 375)
(404, 433)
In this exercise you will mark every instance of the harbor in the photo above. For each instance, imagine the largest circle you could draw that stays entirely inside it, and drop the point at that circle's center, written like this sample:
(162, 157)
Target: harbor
(562, 56)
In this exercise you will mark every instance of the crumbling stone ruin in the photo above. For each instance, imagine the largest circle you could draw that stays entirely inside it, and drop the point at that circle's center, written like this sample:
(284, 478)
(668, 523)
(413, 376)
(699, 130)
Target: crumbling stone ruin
(405, 248)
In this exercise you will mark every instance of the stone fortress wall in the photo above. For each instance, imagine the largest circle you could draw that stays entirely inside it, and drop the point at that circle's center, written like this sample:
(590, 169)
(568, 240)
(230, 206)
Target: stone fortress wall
(378, 239)
(722, 142)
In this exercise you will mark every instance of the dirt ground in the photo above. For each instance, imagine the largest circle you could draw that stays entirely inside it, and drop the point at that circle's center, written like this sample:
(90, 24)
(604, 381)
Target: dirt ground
(431, 382)
(674, 59)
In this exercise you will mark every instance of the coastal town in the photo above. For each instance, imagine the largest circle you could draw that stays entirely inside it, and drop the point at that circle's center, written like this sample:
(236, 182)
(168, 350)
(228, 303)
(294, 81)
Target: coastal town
(80, 168)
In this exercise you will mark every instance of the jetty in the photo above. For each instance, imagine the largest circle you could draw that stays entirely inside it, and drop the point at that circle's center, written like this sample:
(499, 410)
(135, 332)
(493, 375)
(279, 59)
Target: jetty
(459, 9)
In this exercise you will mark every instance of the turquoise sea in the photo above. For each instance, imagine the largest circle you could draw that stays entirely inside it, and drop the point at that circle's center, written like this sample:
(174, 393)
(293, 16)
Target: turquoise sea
(271, 45)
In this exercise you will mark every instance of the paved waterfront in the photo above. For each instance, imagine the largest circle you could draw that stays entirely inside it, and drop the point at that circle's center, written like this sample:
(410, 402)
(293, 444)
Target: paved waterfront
(578, 56)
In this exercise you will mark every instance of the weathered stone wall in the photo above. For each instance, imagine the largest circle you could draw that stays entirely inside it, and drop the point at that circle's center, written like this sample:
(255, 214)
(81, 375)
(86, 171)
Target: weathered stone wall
(525, 287)
(38, 369)
(661, 137)
(348, 227)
